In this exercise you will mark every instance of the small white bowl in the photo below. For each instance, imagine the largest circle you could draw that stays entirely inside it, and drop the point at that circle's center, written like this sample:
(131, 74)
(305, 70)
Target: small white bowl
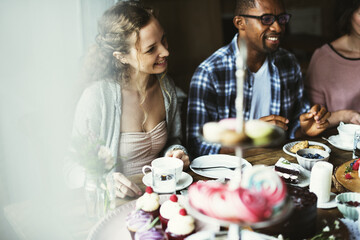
(348, 211)
(308, 163)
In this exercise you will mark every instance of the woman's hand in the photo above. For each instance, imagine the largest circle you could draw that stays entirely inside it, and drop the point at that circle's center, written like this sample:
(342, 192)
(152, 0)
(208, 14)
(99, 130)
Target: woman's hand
(315, 121)
(181, 155)
(124, 187)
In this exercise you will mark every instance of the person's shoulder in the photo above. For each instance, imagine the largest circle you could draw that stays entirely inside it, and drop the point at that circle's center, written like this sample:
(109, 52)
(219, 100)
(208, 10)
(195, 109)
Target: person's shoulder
(220, 58)
(100, 89)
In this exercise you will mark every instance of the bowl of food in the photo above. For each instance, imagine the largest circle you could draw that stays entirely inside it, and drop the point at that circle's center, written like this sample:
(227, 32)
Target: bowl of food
(347, 203)
(309, 156)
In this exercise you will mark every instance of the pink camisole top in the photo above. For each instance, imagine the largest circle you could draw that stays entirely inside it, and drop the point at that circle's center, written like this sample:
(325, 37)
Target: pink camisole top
(140, 148)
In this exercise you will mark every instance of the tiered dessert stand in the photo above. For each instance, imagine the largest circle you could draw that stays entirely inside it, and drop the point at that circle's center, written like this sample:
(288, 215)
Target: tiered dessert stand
(277, 136)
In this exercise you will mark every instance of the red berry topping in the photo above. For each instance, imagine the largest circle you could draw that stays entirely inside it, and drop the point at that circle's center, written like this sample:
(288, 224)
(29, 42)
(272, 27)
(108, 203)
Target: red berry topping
(356, 166)
(149, 190)
(183, 212)
(173, 198)
(348, 176)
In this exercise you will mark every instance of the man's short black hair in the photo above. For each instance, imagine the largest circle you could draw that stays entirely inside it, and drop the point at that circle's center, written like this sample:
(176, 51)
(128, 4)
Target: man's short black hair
(243, 5)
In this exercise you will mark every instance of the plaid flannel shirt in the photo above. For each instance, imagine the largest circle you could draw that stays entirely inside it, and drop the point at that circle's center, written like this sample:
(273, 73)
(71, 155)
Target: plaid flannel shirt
(213, 91)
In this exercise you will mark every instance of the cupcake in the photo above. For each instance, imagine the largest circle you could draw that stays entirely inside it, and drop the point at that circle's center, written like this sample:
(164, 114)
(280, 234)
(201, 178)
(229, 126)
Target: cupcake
(149, 202)
(150, 234)
(169, 209)
(137, 220)
(180, 226)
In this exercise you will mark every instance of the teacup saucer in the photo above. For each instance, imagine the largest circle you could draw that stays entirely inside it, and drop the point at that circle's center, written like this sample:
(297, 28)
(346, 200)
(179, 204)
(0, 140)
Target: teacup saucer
(336, 142)
(330, 204)
(185, 181)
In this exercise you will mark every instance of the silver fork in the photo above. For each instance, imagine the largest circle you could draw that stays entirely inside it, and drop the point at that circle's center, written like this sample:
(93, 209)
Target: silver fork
(203, 168)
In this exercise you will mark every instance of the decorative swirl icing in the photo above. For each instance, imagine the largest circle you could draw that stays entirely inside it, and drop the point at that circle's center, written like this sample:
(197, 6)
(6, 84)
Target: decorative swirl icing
(260, 194)
(136, 220)
(151, 234)
(263, 180)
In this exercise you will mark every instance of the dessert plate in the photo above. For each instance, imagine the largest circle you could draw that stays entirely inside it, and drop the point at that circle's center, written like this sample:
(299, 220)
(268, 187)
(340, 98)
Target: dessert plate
(184, 181)
(335, 141)
(304, 177)
(113, 225)
(217, 160)
(330, 204)
(288, 146)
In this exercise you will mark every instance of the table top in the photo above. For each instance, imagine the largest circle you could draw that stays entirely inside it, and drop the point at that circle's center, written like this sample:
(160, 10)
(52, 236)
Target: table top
(76, 211)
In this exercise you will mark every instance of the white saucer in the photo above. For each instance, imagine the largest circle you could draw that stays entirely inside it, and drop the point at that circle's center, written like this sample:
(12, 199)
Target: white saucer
(336, 142)
(330, 204)
(184, 181)
(304, 176)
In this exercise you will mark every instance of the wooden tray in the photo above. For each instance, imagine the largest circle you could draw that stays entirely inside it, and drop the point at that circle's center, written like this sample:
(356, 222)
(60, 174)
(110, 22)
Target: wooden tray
(346, 185)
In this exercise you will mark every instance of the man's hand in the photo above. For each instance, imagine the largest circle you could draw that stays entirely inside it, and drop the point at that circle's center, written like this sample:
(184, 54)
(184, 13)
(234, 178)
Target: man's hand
(181, 155)
(276, 120)
(315, 121)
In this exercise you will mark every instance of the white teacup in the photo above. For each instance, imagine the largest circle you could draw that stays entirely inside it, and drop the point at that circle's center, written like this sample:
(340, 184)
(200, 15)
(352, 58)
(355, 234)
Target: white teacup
(346, 133)
(166, 164)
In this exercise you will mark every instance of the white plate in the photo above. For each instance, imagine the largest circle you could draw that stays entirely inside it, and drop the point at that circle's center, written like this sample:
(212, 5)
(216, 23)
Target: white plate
(113, 226)
(304, 176)
(336, 142)
(330, 204)
(217, 160)
(184, 181)
(288, 146)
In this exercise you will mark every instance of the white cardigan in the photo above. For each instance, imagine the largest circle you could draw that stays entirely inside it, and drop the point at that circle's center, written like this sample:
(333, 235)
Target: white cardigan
(99, 110)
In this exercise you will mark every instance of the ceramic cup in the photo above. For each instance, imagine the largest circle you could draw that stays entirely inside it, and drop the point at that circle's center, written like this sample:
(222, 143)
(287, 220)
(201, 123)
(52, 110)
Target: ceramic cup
(164, 164)
(166, 172)
(346, 133)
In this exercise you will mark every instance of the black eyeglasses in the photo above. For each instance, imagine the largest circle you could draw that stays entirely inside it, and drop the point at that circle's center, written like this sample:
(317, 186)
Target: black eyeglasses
(269, 19)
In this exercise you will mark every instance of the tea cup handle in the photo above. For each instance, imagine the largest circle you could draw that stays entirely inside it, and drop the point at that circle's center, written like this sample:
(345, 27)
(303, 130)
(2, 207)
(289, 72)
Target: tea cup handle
(146, 167)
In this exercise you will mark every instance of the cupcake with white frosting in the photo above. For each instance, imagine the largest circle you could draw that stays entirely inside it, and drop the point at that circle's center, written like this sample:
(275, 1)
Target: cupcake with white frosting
(180, 226)
(149, 202)
(169, 209)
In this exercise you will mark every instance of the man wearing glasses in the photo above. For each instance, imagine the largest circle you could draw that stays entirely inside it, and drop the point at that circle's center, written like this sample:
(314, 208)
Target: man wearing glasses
(273, 88)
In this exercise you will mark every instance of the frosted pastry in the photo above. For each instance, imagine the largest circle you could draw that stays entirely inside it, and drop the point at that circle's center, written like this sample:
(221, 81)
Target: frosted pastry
(180, 226)
(169, 209)
(149, 202)
(137, 220)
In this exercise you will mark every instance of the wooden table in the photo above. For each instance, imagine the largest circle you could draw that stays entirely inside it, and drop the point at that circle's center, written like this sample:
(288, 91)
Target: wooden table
(72, 223)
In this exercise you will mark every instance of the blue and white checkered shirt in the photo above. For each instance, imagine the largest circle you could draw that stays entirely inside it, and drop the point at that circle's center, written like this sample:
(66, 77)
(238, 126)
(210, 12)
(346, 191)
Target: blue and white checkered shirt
(213, 91)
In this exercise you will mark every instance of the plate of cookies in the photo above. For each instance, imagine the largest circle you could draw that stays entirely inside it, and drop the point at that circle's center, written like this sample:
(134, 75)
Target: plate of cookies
(293, 147)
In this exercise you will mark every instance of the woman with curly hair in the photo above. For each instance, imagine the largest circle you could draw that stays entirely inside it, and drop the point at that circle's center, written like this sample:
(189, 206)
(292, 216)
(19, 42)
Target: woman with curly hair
(131, 102)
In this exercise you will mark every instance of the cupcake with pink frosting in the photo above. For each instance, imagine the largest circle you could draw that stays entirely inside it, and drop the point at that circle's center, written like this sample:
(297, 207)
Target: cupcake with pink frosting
(180, 226)
(149, 202)
(169, 209)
